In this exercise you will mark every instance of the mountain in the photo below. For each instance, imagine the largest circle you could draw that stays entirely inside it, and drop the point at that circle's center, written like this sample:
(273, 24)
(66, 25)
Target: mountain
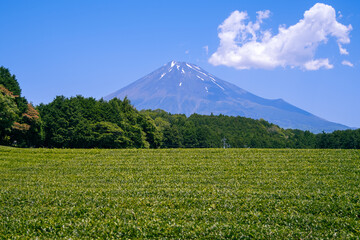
(180, 87)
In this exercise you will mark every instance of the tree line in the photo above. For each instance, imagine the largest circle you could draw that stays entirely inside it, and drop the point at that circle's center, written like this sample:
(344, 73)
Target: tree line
(201, 131)
(80, 122)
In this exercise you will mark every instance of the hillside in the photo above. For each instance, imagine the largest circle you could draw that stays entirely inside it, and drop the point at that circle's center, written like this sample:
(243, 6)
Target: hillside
(185, 88)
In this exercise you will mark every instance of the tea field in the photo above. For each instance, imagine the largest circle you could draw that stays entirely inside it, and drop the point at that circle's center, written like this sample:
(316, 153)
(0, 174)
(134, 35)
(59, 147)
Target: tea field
(179, 194)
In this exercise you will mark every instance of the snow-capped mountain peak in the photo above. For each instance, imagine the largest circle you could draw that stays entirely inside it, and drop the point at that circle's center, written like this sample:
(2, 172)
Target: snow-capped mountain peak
(185, 73)
(180, 87)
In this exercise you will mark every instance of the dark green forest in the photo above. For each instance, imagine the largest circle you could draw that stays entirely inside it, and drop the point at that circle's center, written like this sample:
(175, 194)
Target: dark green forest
(80, 122)
(199, 131)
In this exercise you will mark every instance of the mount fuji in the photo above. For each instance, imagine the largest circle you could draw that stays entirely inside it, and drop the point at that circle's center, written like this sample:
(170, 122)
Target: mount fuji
(180, 87)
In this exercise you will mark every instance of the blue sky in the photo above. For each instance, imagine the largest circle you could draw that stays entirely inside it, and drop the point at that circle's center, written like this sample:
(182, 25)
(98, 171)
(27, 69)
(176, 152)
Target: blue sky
(94, 48)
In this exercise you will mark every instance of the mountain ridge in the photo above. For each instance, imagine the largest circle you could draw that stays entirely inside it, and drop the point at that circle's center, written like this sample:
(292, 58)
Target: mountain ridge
(181, 87)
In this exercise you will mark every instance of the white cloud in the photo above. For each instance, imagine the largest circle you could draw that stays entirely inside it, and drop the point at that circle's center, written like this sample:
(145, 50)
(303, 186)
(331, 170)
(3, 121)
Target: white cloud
(262, 15)
(318, 63)
(187, 52)
(339, 14)
(343, 51)
(243, 45)
(206, 48)
(347, 63)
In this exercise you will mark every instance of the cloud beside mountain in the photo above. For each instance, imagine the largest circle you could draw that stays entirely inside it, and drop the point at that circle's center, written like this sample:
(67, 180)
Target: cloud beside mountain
(244, 45)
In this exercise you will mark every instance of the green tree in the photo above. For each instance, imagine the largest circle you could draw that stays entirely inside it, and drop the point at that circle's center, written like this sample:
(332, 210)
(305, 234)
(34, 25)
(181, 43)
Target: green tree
(87, 122)
(109, 135)
(28, 131)
(10, 82)
(8, 114)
